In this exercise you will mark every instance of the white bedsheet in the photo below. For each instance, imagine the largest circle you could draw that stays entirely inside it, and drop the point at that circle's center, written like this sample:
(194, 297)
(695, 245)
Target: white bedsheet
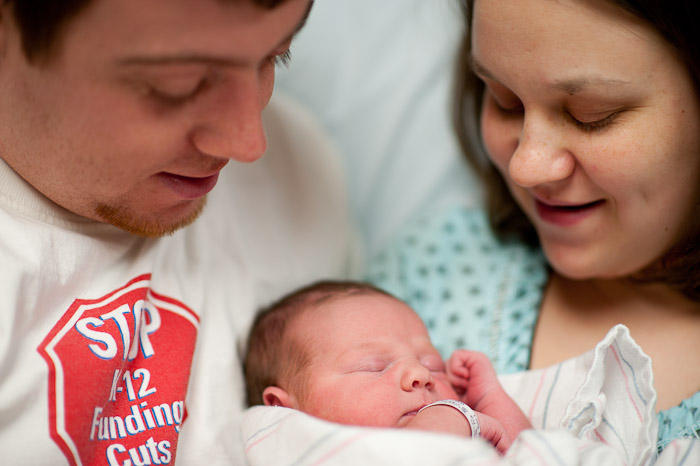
(597, 409)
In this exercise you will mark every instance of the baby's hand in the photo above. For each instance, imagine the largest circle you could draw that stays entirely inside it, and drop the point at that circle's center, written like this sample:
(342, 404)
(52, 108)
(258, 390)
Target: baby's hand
(474, 379)
(472, 376)
(443, 419)
(458, 372)
(448, 420)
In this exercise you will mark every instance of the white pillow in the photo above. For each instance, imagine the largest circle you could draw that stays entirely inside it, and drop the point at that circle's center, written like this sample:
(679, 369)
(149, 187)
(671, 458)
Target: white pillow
(378, 75)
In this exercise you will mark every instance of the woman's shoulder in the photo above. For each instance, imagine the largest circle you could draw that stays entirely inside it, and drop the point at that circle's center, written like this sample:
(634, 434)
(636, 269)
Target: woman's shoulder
(680, 421)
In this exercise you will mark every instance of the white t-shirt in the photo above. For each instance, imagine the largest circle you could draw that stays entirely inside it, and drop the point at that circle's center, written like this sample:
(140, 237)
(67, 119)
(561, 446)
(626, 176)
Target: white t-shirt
(122, 350)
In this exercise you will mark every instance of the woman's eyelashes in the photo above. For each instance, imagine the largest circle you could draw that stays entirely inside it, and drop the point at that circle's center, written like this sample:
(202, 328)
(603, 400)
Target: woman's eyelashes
(511, 106)
(507, 105)
(595, 125)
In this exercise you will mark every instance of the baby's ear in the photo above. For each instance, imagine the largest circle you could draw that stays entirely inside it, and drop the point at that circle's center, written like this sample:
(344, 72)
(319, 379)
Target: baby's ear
(276, 396)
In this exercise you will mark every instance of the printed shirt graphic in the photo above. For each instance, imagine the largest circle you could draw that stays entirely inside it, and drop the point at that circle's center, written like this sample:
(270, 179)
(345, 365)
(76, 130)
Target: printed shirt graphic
(118, 373)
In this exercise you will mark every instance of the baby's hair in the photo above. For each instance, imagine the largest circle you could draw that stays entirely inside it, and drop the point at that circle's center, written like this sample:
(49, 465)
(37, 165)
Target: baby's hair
(272, 357)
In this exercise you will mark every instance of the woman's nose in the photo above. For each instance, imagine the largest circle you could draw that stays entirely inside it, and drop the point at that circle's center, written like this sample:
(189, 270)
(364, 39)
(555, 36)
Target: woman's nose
(416, 376)
(541, 155)
(230, 124)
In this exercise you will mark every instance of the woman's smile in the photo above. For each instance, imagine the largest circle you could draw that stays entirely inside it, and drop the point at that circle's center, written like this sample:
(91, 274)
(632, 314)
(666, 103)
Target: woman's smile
(566, 215)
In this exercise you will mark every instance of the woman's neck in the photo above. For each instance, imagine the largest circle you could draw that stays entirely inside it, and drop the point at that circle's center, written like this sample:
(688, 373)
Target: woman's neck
(575, 315)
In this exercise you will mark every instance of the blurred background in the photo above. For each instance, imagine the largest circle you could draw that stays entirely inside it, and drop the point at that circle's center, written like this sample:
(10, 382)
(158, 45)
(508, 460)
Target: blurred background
(378, 75)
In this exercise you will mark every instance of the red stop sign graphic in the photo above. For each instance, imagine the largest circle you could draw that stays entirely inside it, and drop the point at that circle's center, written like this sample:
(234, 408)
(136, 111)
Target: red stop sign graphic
(118, 372)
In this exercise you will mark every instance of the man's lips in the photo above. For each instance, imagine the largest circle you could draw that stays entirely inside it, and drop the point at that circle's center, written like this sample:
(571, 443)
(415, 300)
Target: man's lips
(189, 187)
(565, 214)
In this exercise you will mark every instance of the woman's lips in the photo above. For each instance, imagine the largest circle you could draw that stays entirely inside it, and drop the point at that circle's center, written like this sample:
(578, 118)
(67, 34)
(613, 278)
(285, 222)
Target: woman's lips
(189, 187)
(565, 215)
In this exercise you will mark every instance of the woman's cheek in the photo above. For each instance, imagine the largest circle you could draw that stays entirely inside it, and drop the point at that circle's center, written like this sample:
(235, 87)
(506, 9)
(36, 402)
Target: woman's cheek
(497, 140)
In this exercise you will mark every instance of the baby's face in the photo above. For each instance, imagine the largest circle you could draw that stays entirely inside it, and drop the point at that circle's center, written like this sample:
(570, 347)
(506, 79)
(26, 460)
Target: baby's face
(372, 362)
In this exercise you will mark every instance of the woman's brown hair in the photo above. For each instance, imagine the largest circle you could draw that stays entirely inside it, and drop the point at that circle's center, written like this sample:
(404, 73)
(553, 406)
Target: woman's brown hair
(675, 20)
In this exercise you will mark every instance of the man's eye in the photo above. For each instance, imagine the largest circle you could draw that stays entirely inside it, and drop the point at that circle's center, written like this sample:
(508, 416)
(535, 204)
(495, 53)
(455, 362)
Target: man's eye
(175, 94)
(283, 58)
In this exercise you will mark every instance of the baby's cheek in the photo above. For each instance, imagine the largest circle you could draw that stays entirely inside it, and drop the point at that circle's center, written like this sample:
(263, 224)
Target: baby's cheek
(445, 390)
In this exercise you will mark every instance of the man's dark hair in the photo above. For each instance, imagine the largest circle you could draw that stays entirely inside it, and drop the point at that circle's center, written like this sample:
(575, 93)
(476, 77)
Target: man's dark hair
(42, 22)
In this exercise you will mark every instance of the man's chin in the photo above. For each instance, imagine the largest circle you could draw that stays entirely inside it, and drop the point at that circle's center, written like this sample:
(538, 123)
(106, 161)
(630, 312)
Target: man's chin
(154, 226)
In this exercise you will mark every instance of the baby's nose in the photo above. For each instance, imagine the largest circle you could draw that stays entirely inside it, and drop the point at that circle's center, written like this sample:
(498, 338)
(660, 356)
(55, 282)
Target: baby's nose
(416, 376)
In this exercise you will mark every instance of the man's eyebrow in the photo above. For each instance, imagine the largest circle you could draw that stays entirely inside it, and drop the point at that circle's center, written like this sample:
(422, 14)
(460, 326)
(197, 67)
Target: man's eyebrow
(570, 86)
(302, 23)
(206, 59)
(181, 58)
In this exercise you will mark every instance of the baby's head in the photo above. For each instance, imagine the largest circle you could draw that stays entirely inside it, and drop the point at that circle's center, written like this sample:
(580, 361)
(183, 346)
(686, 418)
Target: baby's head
(345, 352)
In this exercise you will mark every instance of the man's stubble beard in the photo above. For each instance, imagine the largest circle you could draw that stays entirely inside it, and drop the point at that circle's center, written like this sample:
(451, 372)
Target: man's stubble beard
(123, 218)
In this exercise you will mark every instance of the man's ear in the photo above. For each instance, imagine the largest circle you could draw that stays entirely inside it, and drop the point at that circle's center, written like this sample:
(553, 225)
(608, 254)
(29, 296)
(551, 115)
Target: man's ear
(3, 24)
(6, 18)
(276, 396)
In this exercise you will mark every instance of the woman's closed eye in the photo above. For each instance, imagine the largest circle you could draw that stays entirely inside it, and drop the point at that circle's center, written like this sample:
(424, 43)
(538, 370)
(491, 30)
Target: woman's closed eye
(595, 124)
(506, 104)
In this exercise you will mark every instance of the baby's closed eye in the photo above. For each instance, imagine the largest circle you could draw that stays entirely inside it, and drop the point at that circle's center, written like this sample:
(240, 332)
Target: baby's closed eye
(373, 365)
(433, 363)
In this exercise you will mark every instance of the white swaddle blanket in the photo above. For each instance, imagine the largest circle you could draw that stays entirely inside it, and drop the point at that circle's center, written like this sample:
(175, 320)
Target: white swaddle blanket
(597, 409)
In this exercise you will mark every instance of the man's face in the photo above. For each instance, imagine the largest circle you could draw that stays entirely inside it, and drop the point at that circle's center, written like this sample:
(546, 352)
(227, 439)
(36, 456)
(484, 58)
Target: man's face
(142, 105)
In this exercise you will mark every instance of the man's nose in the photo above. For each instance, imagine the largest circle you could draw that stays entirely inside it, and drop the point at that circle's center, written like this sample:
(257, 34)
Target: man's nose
(230, 123)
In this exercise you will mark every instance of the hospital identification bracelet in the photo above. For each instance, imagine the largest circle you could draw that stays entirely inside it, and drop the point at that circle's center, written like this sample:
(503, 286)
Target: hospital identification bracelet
(463, 408)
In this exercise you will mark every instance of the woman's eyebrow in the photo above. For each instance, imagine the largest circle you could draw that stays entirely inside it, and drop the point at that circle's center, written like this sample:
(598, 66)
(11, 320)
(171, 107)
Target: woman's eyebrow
(569, 85)
(576, 85)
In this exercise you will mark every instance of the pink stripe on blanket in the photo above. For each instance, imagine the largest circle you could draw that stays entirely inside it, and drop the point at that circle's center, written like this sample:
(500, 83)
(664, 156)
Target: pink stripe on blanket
(535, 453)
(627, 383)
(340, 447)
(600, 437)
(537, 393)
(251, 445)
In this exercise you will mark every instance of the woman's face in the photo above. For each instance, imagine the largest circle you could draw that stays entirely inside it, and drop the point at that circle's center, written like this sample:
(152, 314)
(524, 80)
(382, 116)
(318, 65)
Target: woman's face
(594, 124)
